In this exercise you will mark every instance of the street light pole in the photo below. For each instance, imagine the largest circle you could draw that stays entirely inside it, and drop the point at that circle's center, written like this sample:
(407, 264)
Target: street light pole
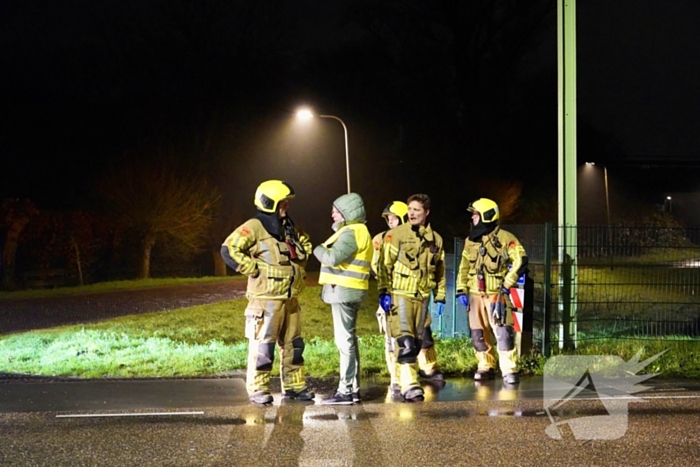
(607, 208)
(607, 198)
(306, 114)
(607, 211)
(347, 152)
(607, 193)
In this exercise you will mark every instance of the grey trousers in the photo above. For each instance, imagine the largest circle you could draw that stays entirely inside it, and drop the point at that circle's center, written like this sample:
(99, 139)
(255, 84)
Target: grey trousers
(345, 330)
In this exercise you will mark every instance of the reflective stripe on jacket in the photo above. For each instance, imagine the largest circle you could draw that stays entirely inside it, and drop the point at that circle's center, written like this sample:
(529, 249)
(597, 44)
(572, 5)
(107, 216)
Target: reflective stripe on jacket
(501, 250)
(260, 254)
(377, 243)
(353, 272)
(413, 262)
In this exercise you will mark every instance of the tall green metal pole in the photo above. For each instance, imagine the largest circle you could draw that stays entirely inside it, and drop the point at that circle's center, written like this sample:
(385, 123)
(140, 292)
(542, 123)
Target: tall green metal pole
(566, 48)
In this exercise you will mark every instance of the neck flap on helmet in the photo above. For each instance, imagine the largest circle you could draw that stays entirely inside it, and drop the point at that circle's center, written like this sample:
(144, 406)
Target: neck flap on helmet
(481, 229)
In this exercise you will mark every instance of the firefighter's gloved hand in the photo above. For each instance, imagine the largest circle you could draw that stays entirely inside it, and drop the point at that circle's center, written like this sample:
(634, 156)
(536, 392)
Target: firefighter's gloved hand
(502, 309)
(381, 320)
(439, 308)
(463, 299)
(385, 301)
(493, 311)
(498, 311)
(505, 290)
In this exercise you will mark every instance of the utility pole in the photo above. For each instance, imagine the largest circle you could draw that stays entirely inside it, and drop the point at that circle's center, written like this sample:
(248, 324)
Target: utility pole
(566, 73)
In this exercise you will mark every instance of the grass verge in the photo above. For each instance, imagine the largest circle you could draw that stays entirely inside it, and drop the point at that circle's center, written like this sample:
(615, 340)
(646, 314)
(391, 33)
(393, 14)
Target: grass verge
(209, 340)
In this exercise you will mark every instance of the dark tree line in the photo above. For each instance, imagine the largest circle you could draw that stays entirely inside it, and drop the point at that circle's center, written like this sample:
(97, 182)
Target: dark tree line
(162, 98)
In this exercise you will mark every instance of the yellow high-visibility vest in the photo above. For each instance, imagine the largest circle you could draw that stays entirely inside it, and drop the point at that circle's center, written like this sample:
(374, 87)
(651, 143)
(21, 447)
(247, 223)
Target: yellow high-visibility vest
(354, 272)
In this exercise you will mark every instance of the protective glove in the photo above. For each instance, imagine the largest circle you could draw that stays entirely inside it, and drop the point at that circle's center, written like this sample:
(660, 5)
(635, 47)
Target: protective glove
(381, 320)
(463, 299)
(385, 301)
(505, 290)
(498, 309)
(439, 308)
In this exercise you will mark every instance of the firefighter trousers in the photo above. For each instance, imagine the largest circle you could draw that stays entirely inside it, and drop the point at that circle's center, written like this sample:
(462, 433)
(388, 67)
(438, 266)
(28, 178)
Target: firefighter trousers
(407, 320)
(483, 327)
(389, 343)
(270, 323)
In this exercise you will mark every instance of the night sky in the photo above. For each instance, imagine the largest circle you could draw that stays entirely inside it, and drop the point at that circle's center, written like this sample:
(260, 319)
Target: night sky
(89, 85)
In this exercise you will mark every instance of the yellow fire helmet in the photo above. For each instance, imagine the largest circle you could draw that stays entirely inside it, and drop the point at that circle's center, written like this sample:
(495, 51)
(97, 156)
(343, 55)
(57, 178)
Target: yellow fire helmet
(397, 208)
(270, 193)
(487, 208)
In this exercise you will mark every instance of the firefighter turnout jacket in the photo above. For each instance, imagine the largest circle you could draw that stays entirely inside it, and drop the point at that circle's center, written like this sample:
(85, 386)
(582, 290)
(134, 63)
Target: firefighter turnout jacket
(377, 243)
(492, 255)
(412, 262)
(275, 268)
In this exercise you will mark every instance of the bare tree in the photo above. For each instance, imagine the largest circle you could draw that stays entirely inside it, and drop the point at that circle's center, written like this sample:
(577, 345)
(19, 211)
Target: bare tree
(160, 204)
(14, 216)
(75, 241)
(227, 218)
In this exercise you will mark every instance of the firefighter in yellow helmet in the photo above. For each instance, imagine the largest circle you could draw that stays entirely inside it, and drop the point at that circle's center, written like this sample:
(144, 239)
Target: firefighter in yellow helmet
(395, 214)
(273, 253)
(492, 261)
(411, 267)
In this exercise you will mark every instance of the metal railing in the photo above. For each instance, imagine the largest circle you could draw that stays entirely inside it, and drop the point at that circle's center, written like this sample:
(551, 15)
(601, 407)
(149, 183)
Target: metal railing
(630, 283)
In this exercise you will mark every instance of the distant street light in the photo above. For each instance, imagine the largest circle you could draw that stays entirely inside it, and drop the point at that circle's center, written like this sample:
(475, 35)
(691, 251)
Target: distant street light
(607, 197)
(670, 204)
(306, 114)
(607, 209)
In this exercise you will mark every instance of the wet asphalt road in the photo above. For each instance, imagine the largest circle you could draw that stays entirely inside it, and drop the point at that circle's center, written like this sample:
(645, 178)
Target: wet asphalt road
(37, 313)
(209, 422)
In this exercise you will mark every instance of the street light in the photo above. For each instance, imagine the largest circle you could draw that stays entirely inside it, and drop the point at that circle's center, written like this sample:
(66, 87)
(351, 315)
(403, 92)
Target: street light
(607, 209)
(607, 198)
(306, 114)
(670, 204)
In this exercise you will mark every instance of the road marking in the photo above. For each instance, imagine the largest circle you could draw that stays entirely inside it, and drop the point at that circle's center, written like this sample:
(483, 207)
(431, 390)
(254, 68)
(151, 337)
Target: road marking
(697, 396)
(629, 397)
(157, 414)
(143, 414)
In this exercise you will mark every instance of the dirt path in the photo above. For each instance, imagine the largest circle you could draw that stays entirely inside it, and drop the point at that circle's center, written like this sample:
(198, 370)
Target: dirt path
(38, 313)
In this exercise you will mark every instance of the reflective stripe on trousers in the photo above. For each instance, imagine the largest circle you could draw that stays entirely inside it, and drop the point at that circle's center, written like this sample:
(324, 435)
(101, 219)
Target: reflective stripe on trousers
(406, 321)
(270, 322)
(483, 328)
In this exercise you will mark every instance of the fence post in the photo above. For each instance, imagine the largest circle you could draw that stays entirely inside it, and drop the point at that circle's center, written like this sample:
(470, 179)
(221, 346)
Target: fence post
(524, 337)
(455, 270)
(546, 291)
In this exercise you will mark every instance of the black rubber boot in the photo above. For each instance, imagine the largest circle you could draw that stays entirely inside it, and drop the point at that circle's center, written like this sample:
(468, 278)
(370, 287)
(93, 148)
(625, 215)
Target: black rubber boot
(483, 375)
(435, 376)
(303, 395)
(414, 395)
(262, 398)
(511, 378)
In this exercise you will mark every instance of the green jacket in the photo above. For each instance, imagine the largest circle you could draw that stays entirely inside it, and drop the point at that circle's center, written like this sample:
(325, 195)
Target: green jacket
(344, 248)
